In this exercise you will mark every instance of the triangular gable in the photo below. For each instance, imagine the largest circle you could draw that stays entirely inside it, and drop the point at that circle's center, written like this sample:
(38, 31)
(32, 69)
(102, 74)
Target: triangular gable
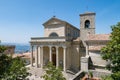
(53, 20)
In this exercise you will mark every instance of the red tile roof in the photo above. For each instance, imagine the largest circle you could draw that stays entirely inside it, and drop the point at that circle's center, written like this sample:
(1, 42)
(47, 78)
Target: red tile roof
(96, 48)
(98, 37)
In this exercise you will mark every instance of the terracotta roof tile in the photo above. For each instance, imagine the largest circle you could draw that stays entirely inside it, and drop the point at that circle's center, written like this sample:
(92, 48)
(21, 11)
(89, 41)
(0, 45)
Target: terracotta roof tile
(96, 47)
(98, 37)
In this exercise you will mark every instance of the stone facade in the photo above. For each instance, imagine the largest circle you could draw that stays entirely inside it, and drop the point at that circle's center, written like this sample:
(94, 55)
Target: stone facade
(61, 28)
(87, 25)
(68, 47)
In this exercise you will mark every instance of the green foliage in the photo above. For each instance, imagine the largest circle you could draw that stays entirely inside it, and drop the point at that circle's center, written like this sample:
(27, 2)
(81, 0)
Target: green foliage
(107, 78)
(116, 76)
(12, 68)
(111, 52)
(53, 73)
(2, 49)
(91, 74)
(17, 70)
(4, 65)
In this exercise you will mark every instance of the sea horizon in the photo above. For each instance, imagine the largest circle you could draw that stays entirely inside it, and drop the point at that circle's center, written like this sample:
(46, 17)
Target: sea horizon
(19, 47)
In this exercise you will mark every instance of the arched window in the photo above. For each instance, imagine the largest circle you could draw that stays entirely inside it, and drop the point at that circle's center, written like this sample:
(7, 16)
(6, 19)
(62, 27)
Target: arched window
(53, 34)
(87, 24)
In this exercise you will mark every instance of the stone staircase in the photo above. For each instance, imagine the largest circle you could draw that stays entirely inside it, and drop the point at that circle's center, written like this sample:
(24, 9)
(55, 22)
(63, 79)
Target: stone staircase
(36, 74)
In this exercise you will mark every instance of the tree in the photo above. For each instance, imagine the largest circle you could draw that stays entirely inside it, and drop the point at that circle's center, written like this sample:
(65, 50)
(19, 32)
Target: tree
(111, 52)
(4, 62)
(17, 70)
(4, 65)
(53, 73)
(2, 49)
(12, 68)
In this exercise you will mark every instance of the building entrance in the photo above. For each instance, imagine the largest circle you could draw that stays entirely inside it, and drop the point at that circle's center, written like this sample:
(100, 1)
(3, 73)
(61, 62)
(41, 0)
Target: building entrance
(54, 56)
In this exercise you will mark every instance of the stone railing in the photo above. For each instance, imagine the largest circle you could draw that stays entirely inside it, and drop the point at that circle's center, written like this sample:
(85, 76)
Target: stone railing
(78, 76)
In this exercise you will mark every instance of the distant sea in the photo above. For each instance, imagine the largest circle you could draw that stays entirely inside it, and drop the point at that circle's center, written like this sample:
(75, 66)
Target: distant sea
(19, 47)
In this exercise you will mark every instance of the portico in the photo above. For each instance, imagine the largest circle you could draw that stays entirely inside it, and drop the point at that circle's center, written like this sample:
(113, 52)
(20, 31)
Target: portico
(51, 51)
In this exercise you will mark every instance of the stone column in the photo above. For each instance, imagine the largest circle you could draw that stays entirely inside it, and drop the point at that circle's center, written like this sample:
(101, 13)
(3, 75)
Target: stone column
(41, 56)
(50, 55)
(31, 59)
(57, 57)
(64, 59)
(87, 48)
(36, 56)
(84, 63)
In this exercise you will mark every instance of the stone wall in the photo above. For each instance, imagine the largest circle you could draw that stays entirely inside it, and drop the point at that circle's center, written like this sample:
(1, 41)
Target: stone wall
(100, 73)
(71, 32)
(75, 58)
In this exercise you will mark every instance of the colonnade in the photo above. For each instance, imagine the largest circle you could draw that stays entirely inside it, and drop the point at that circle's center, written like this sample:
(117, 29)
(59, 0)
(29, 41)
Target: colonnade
(39, 56)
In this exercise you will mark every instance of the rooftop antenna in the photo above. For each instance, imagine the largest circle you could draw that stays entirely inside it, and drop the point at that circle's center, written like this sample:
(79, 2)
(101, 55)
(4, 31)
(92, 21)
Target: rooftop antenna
(87, 7)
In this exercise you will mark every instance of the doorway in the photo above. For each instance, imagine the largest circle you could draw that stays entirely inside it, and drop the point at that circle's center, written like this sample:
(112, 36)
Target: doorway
(54, 56)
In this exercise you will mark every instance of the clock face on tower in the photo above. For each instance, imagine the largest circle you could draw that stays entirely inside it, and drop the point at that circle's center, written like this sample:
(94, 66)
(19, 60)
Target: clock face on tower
(87, 24)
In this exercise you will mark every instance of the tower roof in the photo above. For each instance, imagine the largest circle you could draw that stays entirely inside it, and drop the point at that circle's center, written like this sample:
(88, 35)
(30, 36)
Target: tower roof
(88, 13)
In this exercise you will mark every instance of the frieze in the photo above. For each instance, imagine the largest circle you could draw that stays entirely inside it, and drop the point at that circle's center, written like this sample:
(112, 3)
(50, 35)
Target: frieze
(51, 43)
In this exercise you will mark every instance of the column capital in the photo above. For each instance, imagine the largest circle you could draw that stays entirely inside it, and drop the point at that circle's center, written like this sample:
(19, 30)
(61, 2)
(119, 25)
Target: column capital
(57, 47)
(36, 45)
(41, 46)
(64, 46)
(32, 45)
(49, 46)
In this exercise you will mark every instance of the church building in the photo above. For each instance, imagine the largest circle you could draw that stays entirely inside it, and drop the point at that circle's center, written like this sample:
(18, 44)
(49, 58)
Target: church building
(65, 45)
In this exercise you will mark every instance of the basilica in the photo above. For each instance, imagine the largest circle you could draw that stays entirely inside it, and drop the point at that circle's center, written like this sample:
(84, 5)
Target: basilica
(68, 47)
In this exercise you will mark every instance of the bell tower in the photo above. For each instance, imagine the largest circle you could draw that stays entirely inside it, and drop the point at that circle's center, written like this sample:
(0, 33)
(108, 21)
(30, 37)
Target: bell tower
(87, 25)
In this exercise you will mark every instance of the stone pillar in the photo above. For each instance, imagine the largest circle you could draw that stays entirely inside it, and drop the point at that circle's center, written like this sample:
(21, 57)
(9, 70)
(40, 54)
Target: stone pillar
(87, 52)
(84, 63)
(57, 57)
(31, 59)
(64, 59)
(41, 56)
(50, 55)
(36, 56)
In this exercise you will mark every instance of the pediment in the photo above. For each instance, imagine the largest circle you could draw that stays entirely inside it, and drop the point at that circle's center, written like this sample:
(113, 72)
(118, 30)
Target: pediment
(53, 21)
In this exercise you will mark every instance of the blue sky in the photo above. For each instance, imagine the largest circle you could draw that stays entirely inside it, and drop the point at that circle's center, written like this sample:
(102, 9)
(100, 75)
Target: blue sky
(22, 19)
